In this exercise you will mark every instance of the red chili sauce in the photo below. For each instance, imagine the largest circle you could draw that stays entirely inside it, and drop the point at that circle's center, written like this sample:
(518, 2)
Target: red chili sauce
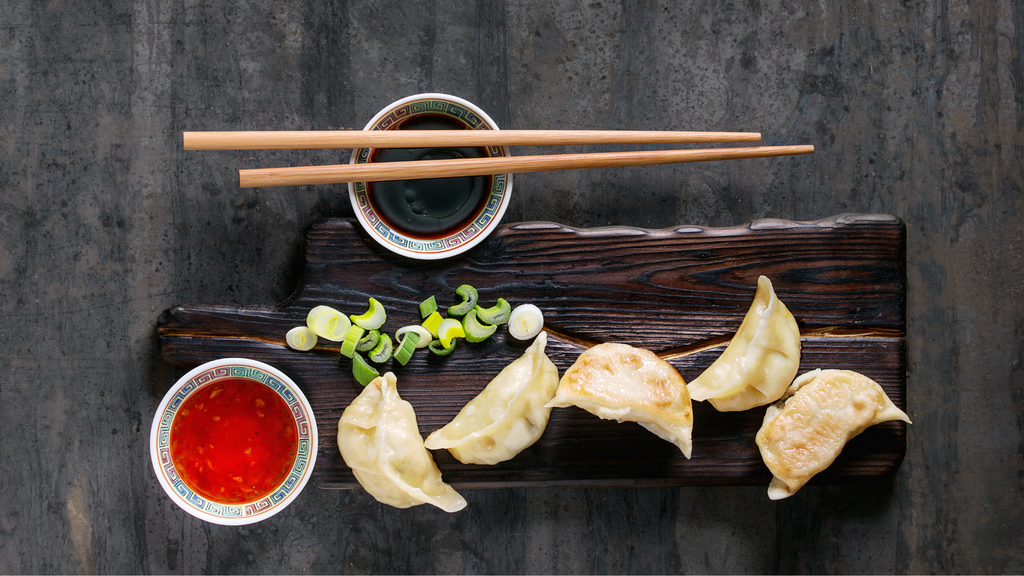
(233, 441)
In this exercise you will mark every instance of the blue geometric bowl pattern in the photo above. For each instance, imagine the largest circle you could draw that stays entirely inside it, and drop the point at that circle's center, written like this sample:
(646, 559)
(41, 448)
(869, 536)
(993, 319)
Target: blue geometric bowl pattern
(299, 469)
(460, 237)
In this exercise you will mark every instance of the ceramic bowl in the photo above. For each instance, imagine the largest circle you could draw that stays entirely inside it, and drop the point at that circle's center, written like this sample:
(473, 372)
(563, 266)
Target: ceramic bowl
(481, 216)
(169, 472)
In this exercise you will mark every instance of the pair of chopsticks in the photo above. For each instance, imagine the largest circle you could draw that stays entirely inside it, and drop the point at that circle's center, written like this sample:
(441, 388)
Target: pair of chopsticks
(337, 174)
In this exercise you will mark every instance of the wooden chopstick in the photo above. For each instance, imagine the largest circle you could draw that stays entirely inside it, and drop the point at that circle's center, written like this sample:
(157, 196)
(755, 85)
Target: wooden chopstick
(296, 176)
(314, 139)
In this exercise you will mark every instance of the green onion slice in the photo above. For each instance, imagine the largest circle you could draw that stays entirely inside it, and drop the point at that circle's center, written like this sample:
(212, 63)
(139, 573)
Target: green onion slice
(475, 331)
(525, 322)
(300, 338)
(409, 343)
(436, 347)
(373, 318)
(368, 341)
(362, 370)
(352, 337)
(424, 335)
(427, 307)
(382, 352)
(316, 311)
(497, 314)
(469, 298)
(328, 323)
(448, 330)
(432, 322)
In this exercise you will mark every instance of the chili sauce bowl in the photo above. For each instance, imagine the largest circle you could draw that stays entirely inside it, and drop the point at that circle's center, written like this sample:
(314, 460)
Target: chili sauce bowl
(233, 442)
(430, 219)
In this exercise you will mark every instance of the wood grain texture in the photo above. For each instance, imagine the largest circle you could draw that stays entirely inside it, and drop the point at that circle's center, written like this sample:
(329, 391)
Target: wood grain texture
(680, 292)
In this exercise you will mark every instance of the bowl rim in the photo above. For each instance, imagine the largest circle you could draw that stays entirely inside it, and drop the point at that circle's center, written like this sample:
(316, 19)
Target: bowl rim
(240, 514)
(438, 254)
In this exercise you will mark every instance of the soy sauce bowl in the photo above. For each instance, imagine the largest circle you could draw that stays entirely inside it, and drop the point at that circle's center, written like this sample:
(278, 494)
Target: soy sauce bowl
(233, 442)
(430, 219)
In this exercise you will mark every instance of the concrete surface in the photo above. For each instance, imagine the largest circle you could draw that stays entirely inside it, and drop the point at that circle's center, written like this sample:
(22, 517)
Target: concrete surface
(916, 109)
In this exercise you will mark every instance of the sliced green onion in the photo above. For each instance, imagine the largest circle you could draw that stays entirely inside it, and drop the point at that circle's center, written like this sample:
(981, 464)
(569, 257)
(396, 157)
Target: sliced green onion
(352, 337)
(427, 307)
(373, 318)
(362, 370)
(327, 323)
(368, 341)
(469, 298)
(300, 338)
(436, 347)
(382, 352)
(525, 322)
(408, 344)
(316, 311)
(424, 334)
(448, 330)
(432, 322)
(475, 331)
(497, 314)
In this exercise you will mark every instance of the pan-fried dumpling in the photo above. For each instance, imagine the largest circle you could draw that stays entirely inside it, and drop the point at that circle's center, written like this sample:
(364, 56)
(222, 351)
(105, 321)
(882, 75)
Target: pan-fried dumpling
(760, 361)
(804, 432)
(379, 440)
(627, 384)
(508, 416)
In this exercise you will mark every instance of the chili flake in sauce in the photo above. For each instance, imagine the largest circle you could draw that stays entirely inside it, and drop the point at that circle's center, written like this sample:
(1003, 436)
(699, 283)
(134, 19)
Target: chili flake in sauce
(233, 441)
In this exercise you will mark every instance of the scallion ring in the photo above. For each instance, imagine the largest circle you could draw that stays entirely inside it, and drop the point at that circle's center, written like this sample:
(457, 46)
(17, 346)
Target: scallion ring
(373, 318)
(301, 338)
(497, 314)
(525, 322)
(361, 369)
(408, 343)
(352, 337)
(475, 331)
(428, 307)
(328, 323)
(469, 298)
(448, 330)
(368, 341)
(382, 352)
(424, 335)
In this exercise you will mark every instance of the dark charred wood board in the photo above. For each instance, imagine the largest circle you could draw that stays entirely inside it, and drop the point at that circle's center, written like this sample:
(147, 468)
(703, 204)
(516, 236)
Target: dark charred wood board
(680, 292)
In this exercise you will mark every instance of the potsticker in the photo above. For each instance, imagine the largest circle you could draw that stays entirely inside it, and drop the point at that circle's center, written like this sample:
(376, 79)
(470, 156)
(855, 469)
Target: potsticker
(803, 433)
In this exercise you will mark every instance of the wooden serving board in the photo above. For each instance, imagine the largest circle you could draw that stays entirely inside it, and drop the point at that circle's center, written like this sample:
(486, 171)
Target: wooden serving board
(680, 292)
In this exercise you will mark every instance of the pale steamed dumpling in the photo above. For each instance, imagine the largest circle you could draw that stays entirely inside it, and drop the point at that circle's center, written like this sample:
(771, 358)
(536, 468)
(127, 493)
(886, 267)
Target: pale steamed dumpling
(508, 416)
(803, 433)
(379, 439)
(760, 361)
(623, 383)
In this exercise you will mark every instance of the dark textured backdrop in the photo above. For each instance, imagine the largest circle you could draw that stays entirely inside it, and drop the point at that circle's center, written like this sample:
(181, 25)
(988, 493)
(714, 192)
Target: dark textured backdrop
(916, 109)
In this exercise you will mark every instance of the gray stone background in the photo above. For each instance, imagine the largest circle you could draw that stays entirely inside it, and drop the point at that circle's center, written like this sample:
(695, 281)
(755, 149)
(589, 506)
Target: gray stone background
(916, 109)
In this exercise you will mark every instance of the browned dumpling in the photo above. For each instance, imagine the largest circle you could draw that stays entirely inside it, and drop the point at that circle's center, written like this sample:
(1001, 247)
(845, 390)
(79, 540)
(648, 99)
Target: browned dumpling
(627, 384)
(805, 431)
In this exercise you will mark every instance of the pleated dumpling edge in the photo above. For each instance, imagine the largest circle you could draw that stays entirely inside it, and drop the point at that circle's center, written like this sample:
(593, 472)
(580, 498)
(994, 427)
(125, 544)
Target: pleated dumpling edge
(760, 361)
(380, 441)
(508, 416)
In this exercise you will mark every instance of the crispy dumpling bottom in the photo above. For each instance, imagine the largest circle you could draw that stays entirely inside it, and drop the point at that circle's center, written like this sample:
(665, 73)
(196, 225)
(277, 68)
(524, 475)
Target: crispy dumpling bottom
(627, 384)
(805, 431)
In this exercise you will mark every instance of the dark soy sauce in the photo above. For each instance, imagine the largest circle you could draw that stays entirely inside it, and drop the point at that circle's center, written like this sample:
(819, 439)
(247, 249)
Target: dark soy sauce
(432, 207)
